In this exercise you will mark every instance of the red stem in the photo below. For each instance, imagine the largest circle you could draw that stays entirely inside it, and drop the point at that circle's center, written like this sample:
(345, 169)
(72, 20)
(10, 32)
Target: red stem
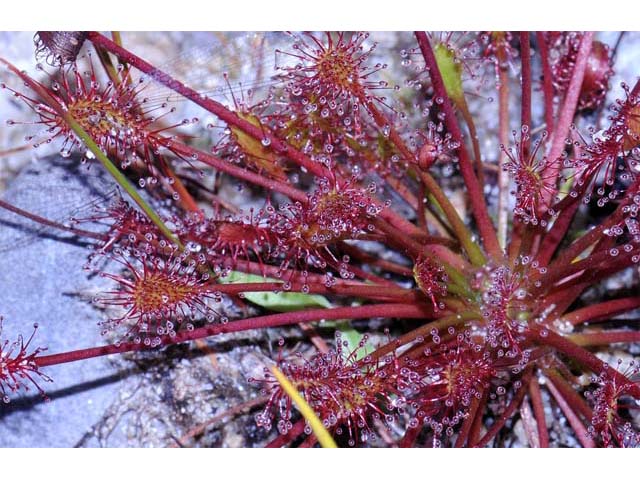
(469, 421)
(547, 83)
(476, 427)
(243, 407)
(475, 144)
(366, 291)
(292, 275)
(561, 272)
(373, 260)
(231, 118)
(410, 436)
(227, 167)
(595, 339)
(529, 424)
(580, 245)
(503, 138)
(423, 331)
(561, 131)
(267, 321)
(478, 203)
(602, 311)
(525, 113)
(51, 223)
(557, 233)
(562, 298)
(309, 442)
(571, 416)
(573, 398)
(287, 438)
(508, 412)
(579, 354)
(538, 411)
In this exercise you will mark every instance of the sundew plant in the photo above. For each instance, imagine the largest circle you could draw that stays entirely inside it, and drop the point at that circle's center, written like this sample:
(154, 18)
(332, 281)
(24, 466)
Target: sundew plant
(440, 229)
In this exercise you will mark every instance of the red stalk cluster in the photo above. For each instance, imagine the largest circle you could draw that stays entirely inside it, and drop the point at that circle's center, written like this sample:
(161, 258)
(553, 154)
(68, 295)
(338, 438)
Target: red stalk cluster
(495, 321)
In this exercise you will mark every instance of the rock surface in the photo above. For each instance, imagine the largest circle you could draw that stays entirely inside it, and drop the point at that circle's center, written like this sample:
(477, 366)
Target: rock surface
(143, 399)
(41, 278)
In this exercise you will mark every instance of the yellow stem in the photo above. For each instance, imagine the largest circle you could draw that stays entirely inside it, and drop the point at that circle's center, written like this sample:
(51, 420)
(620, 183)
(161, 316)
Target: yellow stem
(321, 433)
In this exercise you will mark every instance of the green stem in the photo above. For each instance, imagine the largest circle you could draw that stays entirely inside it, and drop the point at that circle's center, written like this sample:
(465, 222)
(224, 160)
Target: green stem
(93, 147)
(457, 225)
(120, 178)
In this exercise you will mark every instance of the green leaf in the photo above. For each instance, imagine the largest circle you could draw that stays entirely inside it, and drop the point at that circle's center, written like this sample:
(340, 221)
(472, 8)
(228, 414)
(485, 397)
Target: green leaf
(278, 302)
(451, 72)
(353, 339)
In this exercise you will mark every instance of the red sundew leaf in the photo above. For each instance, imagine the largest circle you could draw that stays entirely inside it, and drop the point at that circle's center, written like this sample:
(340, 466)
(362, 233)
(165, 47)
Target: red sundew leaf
(18, 367)
(159, 295)
(345, 393)
(530, 176)
(608, 424)
(432, 280)
(115, 116)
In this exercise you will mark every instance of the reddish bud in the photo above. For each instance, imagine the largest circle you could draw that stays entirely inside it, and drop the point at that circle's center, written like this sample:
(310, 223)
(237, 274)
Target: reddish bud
(58, 48)
(564, 51)
(436, 146)
(596, 77)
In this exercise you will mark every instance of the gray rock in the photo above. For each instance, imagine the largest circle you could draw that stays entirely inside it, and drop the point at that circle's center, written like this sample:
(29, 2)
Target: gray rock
(138, 399)
(41, 276)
